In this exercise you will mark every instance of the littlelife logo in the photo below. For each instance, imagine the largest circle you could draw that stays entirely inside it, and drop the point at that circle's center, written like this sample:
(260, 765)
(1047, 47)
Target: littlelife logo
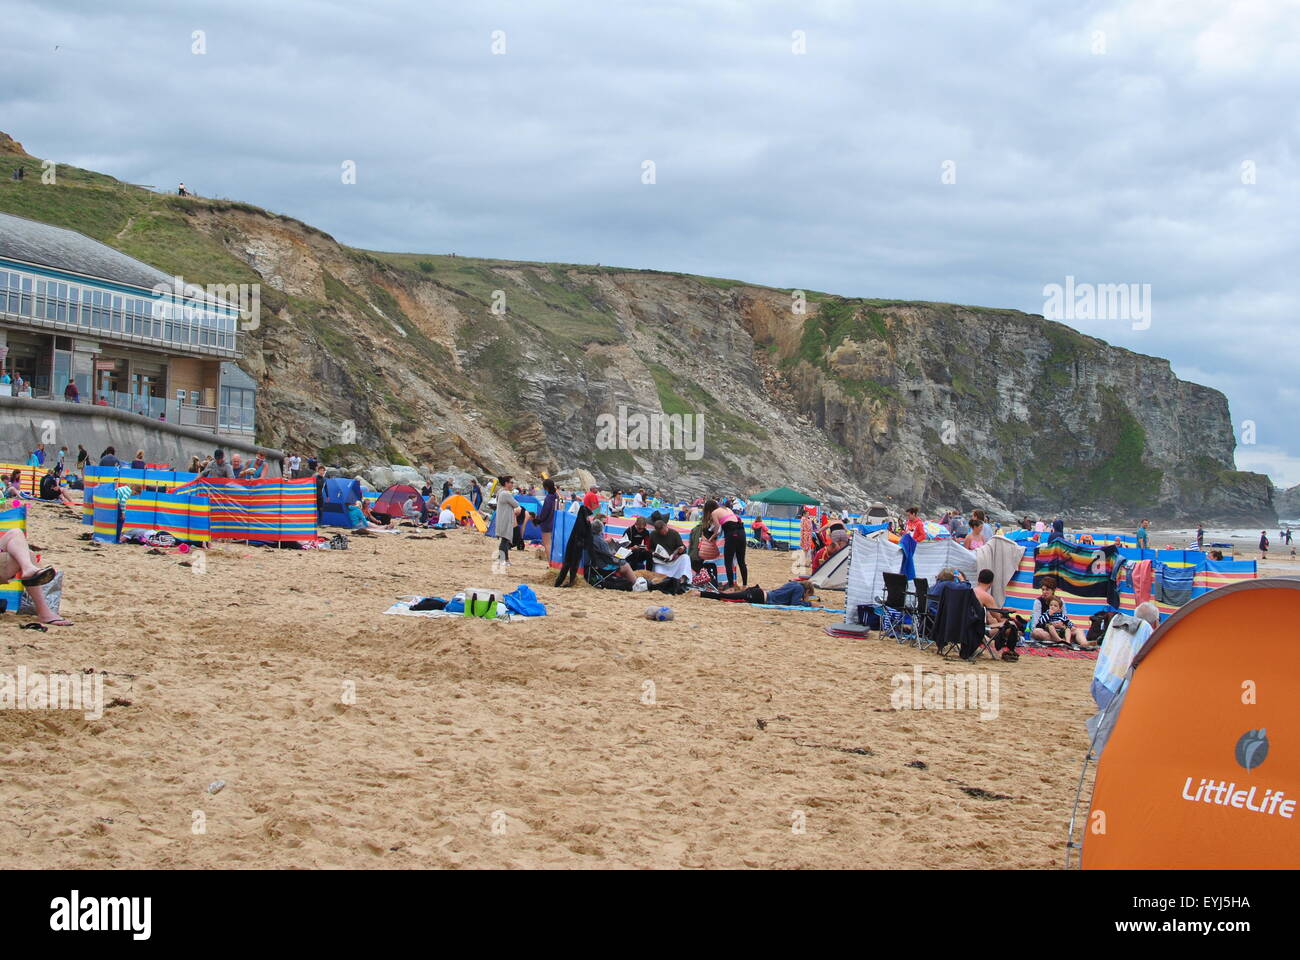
(102, 913)
(1250, 751)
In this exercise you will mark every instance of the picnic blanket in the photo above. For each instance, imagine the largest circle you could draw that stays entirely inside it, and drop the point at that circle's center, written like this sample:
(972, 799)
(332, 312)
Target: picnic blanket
(402, 608)
(1061, 652)
(781, 606)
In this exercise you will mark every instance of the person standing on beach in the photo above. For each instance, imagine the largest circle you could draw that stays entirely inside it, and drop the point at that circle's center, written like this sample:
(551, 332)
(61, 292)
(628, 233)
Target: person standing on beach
(475, 494)
(503, 523)
(1143, 540)
(1200, 536)
(719, 519)
(1263, 545)
(806, 536)
(83, 458)
(546, 517)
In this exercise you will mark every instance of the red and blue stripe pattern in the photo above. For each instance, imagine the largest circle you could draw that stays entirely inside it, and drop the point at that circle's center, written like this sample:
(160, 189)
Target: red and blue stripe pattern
(274, 510)
(184, 516)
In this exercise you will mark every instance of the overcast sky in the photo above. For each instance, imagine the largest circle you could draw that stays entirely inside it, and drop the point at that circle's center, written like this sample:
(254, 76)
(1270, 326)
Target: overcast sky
(1107, 141)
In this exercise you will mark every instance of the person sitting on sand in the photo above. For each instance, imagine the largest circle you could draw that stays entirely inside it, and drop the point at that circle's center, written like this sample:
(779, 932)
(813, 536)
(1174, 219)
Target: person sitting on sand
(638, 536)
(52, 490)
(1053, 628)
(16, 564)
(839, 539)
(14, 485)
(665, 540)
(699, 561)
(602, 554)
(446, 519)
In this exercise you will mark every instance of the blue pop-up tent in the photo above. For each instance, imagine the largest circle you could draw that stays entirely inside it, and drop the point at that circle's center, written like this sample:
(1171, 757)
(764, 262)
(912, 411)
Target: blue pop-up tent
(339, 493)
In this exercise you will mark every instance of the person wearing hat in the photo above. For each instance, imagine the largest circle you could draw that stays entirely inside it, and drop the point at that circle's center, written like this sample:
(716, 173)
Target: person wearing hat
(219, 468)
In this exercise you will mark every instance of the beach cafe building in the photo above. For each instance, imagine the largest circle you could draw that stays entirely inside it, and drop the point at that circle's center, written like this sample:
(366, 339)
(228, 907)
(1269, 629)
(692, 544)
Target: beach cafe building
(74, 309)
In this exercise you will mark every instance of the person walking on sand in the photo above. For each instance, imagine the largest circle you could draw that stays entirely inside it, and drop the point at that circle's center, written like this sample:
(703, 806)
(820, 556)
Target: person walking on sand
(1263, 545)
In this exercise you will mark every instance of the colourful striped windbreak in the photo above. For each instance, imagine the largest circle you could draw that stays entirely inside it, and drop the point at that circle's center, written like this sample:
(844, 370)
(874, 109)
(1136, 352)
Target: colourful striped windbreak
(185, 516)
(12, 518)
(273, 510)
(1207, 575)
(29, 478)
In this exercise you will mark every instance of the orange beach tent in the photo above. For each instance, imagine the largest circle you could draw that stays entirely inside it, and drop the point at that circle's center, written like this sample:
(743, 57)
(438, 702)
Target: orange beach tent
(461, 508)
(1202, 767)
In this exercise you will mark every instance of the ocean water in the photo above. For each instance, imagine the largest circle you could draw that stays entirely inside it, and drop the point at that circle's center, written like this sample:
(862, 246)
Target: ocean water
(1223, 534)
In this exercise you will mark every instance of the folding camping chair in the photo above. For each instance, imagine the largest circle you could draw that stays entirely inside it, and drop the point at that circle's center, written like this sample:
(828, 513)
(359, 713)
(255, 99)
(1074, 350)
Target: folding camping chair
(898, 614)
(922, 621)
(599, 577)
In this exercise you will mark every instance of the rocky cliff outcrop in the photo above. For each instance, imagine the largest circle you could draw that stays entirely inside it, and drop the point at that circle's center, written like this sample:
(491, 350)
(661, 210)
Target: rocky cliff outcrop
(491, 366)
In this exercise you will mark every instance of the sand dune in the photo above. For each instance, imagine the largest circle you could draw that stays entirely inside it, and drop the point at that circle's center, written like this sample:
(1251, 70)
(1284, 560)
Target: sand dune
(501, 745)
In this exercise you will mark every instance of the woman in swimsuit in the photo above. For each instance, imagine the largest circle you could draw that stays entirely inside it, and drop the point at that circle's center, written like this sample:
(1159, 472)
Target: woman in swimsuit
(733, 539)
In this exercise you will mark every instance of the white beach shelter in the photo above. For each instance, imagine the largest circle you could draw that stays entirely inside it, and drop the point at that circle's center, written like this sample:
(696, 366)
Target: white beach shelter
(834, 573)
(875, 555)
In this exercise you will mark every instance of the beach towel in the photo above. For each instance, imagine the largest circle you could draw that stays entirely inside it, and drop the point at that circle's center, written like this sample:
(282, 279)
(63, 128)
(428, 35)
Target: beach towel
(1080, 571)
(908, 567)
(1002, 556)
(1175, 584)
(1124, 639)
(1140, 576)
(797, 609)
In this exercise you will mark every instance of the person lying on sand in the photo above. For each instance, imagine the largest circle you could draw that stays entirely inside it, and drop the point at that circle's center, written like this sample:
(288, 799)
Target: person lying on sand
(794, 593)
(16, 564)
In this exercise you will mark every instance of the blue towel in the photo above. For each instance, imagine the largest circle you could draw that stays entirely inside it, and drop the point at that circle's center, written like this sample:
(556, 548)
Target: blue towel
(909, 564)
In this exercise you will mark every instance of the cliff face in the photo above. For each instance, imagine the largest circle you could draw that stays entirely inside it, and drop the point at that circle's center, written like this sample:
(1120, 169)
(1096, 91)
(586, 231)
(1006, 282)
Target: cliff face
(498, 366)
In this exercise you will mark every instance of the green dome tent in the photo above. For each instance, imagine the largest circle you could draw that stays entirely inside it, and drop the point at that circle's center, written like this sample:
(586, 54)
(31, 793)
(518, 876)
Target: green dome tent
(780, 503)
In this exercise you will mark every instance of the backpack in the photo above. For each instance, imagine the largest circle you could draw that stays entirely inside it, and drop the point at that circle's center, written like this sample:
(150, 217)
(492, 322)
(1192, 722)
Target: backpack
(1099, 624)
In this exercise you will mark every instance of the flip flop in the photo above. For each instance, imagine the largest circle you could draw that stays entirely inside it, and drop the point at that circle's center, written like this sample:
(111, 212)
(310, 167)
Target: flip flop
(56, 622)
(39, 578)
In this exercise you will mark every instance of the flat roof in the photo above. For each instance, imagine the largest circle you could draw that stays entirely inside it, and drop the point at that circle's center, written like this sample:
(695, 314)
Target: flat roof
(64, 249)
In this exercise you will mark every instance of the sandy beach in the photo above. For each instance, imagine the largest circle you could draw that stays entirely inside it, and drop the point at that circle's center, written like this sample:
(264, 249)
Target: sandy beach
(478, 744)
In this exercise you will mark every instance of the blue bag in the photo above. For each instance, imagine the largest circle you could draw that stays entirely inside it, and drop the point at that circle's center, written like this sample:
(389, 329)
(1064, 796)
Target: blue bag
(524, 602)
